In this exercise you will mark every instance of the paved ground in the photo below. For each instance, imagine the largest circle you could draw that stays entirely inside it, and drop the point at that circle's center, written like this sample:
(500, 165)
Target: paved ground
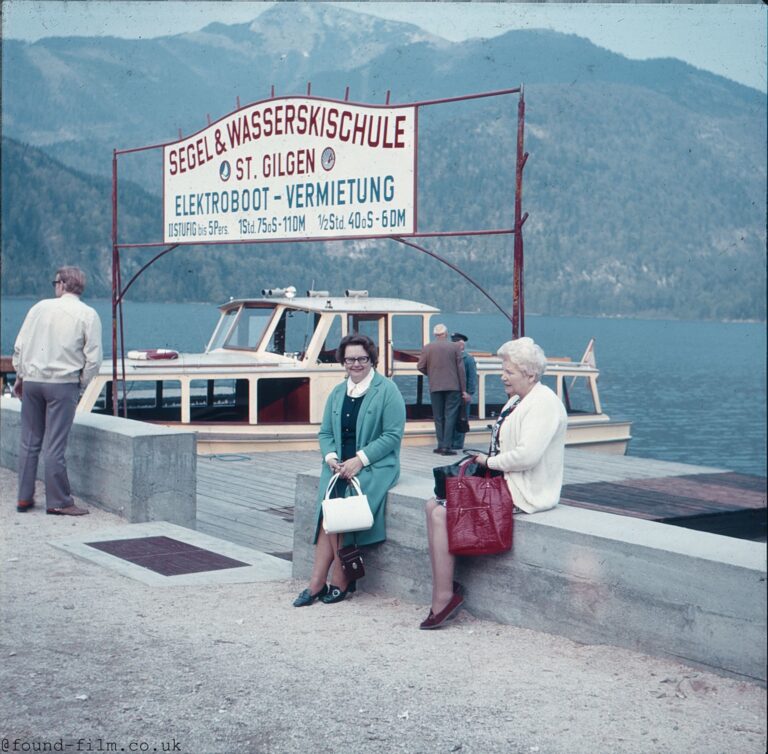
(94, 660)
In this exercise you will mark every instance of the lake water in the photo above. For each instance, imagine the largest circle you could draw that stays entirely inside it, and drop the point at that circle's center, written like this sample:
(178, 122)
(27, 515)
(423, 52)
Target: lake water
(695, 391)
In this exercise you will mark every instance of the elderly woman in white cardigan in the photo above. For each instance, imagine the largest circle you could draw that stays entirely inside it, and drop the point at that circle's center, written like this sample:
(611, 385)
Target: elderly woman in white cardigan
(527, 445)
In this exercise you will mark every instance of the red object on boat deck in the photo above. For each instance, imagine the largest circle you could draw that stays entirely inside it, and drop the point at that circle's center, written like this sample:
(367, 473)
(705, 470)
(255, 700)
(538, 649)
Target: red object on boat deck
(153, 354)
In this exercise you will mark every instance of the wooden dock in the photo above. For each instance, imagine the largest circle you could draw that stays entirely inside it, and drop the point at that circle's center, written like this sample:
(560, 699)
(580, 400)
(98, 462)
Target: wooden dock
(721, 502)
(248, 499)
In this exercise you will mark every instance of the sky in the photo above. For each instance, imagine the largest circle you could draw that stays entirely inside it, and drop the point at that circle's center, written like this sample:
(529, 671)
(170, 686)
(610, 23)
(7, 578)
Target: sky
(727, 39)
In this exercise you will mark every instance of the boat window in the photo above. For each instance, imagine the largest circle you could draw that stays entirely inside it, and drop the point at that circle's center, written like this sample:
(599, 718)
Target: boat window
(249, 328)
(146, 400)
(168, 396)
(218, 400)
(292, 333)
(406, 338)
(577, 395)
(332, 339)
(220, 333)
(366, 324)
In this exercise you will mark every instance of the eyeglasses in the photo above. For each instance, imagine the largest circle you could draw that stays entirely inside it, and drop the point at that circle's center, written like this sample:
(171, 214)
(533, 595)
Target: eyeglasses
(54, 283)
(356, 360)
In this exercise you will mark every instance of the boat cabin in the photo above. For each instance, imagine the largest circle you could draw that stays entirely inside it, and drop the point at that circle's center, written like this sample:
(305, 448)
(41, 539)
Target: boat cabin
(271, 363)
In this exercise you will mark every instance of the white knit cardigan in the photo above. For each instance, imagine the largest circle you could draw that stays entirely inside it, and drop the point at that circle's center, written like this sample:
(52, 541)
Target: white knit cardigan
(532, 450)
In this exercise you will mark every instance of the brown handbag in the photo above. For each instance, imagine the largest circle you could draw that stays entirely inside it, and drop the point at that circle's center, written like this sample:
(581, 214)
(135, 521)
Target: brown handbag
(351, 560)
(479, 510)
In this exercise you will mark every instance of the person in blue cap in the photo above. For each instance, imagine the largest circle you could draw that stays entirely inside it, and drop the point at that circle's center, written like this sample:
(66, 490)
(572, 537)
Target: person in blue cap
(470, 370)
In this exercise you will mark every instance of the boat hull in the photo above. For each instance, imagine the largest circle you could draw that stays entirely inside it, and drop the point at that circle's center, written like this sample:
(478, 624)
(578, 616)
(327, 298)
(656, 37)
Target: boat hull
(610, 437)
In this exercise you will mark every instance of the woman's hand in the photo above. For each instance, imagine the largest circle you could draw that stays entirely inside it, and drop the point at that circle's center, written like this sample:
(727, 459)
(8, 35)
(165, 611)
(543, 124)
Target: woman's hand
(351, 467)
(334, 465)
(481, 459)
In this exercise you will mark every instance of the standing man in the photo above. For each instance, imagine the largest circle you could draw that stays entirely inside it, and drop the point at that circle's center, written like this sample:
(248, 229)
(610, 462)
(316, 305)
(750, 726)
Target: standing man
(442, 363)
(470, 372)
(57, 353)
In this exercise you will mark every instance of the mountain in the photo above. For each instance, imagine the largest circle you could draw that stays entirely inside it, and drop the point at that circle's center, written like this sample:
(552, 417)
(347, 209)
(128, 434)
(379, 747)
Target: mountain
(646, 181)
(129, 92)
(54, 215)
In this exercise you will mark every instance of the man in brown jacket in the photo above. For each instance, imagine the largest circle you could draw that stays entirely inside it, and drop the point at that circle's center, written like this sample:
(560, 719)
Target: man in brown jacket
(442, 363)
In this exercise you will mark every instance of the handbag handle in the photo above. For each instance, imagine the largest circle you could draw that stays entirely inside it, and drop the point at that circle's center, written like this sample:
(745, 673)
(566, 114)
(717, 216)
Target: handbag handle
(335, 478)
(463, 468)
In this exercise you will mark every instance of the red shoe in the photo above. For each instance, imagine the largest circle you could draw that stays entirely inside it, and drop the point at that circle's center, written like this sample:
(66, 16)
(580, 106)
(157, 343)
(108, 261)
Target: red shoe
(24, 505)
(446, 614)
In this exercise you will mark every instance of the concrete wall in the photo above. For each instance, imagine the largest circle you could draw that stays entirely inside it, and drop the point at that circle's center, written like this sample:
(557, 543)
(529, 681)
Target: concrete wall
(137, 470)
(594, 577)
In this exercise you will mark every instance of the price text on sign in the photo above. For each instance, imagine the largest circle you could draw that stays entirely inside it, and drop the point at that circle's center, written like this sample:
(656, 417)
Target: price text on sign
(293, 168)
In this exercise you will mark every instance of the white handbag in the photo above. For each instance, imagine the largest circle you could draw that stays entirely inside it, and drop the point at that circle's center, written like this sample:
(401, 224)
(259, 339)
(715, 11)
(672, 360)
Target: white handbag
(351, 513)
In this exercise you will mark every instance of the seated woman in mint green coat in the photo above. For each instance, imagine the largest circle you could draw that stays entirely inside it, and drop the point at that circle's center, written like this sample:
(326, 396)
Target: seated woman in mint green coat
(359, 437)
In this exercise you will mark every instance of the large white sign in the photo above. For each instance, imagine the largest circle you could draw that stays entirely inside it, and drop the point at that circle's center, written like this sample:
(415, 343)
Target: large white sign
(293, 168)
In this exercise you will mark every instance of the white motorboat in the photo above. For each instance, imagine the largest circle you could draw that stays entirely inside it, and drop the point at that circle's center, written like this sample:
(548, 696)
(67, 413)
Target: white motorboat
(263, 380)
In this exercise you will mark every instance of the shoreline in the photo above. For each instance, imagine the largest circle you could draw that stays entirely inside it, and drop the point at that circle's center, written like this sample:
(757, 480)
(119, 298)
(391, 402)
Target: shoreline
(485, 312)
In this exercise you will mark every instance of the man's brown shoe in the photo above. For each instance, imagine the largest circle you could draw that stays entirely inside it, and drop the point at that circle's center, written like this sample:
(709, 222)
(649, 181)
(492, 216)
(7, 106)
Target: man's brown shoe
(70, 510)
(24, 505)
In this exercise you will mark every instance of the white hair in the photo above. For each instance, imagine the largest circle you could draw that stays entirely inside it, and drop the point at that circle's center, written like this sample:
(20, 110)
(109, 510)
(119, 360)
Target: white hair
(440, 329)
(526, 355)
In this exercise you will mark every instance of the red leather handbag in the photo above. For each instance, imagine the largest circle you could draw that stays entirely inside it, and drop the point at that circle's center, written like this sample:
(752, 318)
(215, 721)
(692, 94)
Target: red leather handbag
(479, 512)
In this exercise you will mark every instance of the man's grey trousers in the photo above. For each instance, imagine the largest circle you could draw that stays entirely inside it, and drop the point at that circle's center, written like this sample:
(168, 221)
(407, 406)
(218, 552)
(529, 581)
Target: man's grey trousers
(47, 413)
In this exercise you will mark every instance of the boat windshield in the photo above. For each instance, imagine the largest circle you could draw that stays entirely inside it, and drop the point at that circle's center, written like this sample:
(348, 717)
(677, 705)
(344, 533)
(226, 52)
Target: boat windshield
(241, 328)
(292, 333)
(578, 395)
(249, 328)
(222, 328)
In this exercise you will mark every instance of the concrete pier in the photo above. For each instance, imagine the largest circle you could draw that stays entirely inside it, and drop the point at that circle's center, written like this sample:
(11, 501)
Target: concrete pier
(593, 577)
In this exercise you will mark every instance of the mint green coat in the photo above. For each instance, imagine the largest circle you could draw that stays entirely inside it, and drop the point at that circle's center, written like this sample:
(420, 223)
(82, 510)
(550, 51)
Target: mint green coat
(379, 430)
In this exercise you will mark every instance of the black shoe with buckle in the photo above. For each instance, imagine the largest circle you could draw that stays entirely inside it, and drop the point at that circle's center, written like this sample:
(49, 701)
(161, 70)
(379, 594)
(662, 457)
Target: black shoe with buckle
(335, 594)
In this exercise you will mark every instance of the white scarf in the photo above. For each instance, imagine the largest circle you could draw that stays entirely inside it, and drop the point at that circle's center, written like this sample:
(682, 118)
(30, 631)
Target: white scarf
(358, 389)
